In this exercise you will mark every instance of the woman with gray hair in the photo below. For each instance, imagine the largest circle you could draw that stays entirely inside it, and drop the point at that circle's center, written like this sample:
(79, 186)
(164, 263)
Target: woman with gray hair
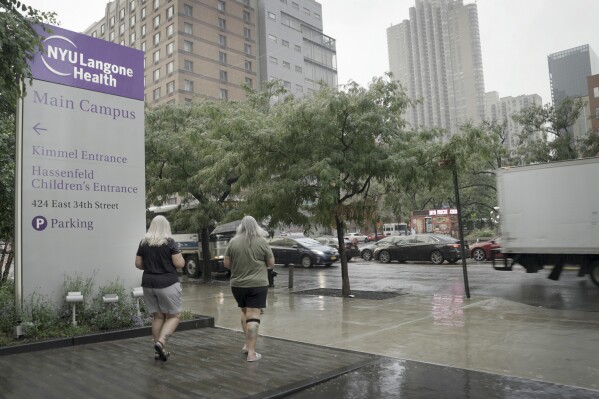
(248, 255)
(159, 257)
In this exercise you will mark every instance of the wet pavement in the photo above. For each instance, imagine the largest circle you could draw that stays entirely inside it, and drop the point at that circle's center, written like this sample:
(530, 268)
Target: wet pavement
(429, 341)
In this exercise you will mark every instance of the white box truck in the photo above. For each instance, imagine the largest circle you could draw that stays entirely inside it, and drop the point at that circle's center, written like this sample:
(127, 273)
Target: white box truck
(549, 216)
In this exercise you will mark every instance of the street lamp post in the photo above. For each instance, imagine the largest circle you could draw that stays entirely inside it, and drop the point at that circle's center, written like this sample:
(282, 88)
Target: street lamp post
(452, 164)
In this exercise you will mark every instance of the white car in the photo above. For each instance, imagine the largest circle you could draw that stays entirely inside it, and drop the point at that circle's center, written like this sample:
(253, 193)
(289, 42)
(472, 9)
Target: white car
(359, 236)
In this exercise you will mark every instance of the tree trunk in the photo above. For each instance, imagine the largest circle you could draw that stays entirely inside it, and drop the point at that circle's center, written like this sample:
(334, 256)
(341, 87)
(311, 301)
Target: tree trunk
(206, 256)
(6, 260)
(345, 291)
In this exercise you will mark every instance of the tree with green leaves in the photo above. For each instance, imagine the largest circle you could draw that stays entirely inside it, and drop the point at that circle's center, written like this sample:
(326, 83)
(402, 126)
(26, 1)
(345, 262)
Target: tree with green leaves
(192, 152)
(19, 43)
(321, 155)
(547, 133)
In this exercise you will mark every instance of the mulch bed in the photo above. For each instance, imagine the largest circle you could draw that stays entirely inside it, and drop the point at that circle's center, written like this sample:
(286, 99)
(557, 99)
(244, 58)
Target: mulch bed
(375, 295)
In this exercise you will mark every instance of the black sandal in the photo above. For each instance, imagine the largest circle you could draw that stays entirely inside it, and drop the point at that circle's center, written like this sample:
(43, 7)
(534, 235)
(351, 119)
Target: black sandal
(160, 352)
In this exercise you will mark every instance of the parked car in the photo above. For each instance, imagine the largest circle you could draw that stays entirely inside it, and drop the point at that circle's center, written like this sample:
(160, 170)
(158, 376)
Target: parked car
(373, 237)
(350, 250)
(367, 251)
(302, 251)
(482, 250)
(435, 248)
(358, 236)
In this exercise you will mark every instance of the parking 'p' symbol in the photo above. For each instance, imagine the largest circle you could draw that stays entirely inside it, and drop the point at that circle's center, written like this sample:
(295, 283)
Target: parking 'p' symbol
(39, 223)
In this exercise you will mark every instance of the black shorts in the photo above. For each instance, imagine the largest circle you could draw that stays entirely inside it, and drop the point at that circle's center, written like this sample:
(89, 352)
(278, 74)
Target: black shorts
(250, 297)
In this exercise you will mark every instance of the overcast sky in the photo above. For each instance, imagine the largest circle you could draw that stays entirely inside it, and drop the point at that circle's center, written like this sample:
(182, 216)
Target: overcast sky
(516, 35)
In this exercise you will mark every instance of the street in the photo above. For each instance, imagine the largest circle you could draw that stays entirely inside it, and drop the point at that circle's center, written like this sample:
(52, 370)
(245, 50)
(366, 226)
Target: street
(569, 293)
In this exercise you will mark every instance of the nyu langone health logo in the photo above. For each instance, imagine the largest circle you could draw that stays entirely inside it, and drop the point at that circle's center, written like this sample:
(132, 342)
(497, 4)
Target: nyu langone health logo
(62, 58)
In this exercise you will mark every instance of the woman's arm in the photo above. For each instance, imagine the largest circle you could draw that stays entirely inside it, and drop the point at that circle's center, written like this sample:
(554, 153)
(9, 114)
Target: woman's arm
(178, 260)
(139, 262)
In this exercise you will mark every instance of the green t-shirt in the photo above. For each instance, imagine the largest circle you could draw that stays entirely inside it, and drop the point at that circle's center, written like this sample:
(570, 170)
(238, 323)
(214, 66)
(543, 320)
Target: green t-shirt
(248, 263)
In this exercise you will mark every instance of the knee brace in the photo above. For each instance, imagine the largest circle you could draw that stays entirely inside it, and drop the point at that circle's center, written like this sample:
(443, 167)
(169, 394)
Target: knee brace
(252, 321)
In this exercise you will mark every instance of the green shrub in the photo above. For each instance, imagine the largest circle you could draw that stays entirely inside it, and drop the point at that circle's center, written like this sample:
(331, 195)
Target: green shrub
(40, 318)
(86, 286)
(8, 314)
(109, 316)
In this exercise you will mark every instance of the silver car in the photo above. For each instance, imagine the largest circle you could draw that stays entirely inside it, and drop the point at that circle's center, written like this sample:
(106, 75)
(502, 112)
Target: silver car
(368, 250)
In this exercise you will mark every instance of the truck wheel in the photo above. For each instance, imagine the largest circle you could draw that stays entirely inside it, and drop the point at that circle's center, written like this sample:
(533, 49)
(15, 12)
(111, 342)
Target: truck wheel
(436, 257)
(594, 272)
(192, 267)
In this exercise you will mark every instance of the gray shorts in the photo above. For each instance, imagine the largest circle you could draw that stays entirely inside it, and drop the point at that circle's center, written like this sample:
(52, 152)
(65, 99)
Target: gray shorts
(164, 300)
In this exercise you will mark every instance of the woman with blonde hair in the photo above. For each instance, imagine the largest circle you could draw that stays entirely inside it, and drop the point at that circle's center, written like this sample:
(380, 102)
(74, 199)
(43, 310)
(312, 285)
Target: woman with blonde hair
(248, 255)
(159, 257)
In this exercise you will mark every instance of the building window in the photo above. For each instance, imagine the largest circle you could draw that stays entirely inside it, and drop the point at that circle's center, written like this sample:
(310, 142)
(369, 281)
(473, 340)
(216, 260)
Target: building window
(122, 42)
(156, 56)
(188, 65)
(94, 34)
(306, 11)
(248, 65)
(287, 84)
(272, 38)
(143, 46)
(188, 28)
(222, 24)
(170, 67)
(221, 5)
(317, 16)
(102, 29)
(122, 14)
(187, 46)
(170, 30)
(224, 94)
(298, 69)
(246, 2)
(188, 85)
(156, 21)
(156, 38)
(284, 1)
(284, 42)
(122, 29)
(111, 36)
(273, 60)
(143, 13)
(222, 40)
(156, 4)
(132, 20)
(170, 48)
(132, 5)
(596, 92)
(223, 76)
(156, 75)
(286, 65)
(272, 16)
(143, 31)
(112, 21)
(170, 87)
(170, 12)
(299, 88)
(247, 48)
(222, 57)
(596, 113)
(246, 33)
(295, 5)
(297, 48)
(156, 94)
(187, 10)
(132, 39)
(246, 16)
(248, 82)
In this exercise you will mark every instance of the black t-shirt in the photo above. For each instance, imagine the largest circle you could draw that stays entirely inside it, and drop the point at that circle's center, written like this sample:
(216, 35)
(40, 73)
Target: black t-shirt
(159, 271)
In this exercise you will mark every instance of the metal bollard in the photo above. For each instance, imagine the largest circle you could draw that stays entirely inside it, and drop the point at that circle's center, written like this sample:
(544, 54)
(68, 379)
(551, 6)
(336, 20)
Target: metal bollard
(137, 293)
(291, 276)
(74, 297)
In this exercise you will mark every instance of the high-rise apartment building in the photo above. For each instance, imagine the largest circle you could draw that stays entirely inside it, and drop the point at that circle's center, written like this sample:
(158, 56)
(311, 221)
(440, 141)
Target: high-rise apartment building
(568, 72)
(502, 109)
(211, 48)
(293, 47)
(593, 90)
(437, 58)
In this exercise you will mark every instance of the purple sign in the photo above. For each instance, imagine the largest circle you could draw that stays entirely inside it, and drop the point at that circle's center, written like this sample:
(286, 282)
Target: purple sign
(78, 60)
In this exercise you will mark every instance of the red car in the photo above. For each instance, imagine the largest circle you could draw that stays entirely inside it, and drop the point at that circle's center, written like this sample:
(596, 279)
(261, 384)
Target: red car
(371, 236)
(482, 250)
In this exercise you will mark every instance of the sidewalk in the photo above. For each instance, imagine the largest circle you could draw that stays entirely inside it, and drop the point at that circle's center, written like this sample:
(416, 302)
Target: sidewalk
(409, 346)
(489, 335)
